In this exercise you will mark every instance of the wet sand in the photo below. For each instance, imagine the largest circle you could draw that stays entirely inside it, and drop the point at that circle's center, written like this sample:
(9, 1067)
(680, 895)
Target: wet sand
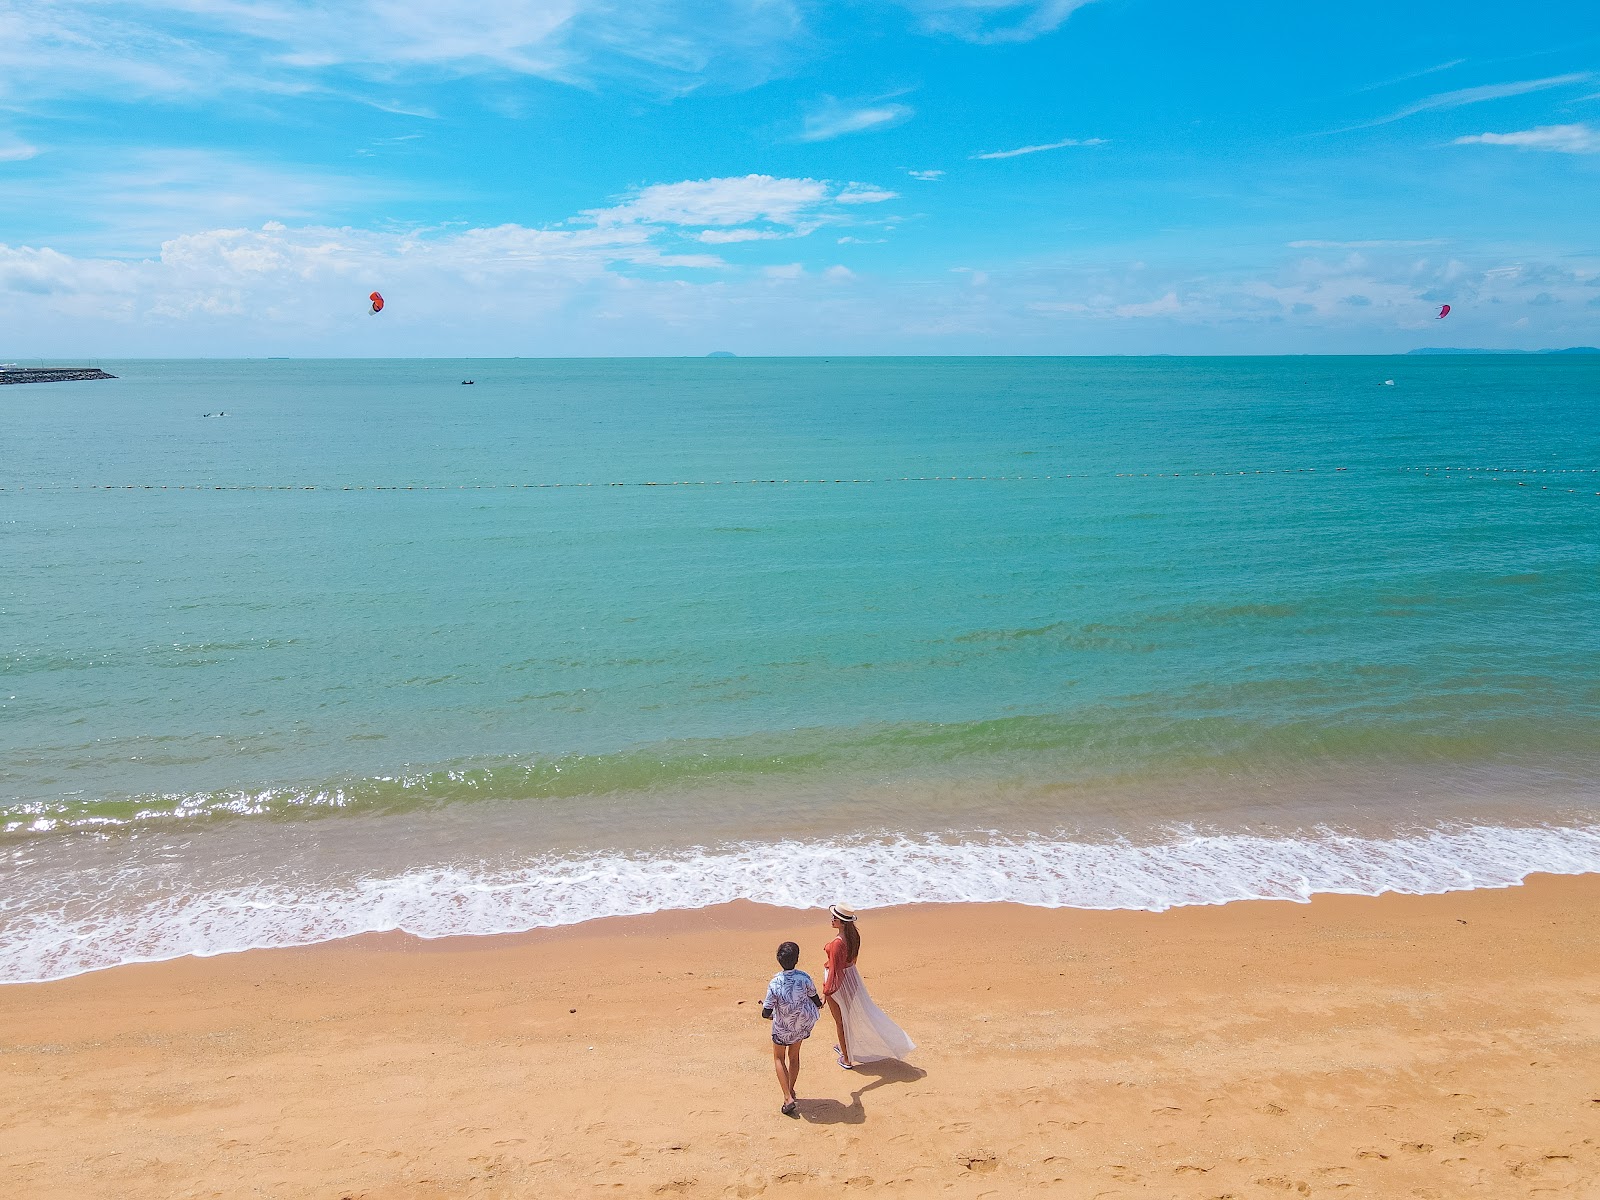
(1435, 1046)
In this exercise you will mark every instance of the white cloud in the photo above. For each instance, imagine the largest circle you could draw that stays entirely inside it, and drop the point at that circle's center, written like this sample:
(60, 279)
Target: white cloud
(847, 240)
(1567, 139)
(989, 22)
(15, 150)
(733, 200)
(926, 175)
(636, 287)
(1062, 144)
(740, 208)
(832, 119)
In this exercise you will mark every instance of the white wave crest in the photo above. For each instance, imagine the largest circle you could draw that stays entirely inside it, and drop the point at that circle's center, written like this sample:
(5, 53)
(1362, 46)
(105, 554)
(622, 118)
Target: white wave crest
(39, 942)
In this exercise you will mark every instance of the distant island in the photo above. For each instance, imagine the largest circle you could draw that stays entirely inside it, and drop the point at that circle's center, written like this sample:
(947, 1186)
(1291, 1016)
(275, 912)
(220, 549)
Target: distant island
(1462, 350)
(722, 354)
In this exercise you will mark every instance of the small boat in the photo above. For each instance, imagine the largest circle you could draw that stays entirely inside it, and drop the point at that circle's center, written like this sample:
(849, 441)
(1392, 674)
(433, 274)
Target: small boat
(467, 382)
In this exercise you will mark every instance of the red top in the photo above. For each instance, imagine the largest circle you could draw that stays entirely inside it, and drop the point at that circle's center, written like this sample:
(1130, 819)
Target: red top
(838, 959)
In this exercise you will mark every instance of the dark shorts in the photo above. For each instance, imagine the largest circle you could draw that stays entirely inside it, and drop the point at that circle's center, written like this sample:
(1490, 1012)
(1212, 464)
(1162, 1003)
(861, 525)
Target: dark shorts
(776, 1041)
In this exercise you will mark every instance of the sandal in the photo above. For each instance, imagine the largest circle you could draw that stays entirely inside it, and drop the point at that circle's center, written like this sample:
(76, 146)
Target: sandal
(839, 1054)
(791, 1108)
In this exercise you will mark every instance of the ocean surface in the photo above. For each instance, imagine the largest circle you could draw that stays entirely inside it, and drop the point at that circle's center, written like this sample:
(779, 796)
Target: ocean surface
(374, 650)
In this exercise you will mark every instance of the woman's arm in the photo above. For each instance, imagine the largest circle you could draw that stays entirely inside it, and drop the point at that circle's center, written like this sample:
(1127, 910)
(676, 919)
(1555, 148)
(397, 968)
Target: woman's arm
(835, 965)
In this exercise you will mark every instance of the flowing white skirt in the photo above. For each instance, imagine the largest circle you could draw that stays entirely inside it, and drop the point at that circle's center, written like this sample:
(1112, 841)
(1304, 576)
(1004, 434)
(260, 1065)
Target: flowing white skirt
(870, 1032)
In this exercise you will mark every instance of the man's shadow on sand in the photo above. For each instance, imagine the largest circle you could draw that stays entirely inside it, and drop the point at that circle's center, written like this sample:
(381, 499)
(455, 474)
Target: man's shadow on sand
(833, 1112)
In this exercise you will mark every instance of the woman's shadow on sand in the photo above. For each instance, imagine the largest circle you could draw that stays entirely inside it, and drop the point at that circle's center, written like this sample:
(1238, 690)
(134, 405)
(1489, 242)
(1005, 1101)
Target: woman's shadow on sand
(834, 1112)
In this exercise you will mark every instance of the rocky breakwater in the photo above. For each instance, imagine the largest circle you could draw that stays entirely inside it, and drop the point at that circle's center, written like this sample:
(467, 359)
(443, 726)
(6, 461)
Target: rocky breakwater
(50, 374)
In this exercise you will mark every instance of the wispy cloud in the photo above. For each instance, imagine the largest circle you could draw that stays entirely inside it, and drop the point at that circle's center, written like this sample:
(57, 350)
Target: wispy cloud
(727, 237)
(1410, 75)
(992, 22)
(1565, 139)
(1062, 144)
(865, 193)
(927, 176)
(1369, 244)
(207, 47)
(1462, 97)
(15, 150)
(833, 119)
(129, 203)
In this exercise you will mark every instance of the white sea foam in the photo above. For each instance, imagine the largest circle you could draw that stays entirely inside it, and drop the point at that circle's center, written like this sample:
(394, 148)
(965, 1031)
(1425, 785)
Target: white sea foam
(38, 942)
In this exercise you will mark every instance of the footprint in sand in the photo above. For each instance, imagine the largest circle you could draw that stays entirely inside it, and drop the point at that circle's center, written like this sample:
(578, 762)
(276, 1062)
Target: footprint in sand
(1274, 1110)
(1466, 1136)
(981, 1162)
(1417, 1147)
(1371, 1154)
(1288, 1185)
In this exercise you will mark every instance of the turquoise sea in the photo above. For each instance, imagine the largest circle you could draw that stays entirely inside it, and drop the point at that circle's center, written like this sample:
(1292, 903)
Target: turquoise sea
(375, 650)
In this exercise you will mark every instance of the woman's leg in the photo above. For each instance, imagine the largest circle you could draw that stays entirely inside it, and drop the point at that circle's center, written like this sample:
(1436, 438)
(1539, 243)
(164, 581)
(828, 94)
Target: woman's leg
(838, 1025)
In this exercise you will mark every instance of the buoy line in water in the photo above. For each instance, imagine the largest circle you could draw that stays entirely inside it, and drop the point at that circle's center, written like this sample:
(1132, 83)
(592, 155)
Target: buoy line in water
(1507, 470)
(1454, 471)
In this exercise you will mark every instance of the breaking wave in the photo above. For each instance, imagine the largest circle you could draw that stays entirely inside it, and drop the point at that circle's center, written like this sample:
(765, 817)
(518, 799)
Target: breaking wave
(51, 935)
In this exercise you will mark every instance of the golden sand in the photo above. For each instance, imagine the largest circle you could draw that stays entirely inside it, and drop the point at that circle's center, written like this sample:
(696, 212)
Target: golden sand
(1438, 1046)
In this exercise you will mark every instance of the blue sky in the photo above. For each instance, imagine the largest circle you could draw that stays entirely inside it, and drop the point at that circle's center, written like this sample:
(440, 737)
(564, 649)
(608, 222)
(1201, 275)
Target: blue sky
(781, 177)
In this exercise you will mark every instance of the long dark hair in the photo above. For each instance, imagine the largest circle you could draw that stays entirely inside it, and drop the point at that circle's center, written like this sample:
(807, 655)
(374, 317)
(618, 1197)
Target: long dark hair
(852, 938)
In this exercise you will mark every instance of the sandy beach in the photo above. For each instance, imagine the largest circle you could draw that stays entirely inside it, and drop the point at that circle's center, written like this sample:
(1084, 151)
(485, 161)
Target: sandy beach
(1432, 1046)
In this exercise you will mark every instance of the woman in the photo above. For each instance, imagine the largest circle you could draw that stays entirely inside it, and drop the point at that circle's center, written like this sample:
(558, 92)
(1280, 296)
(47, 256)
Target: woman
(865, 1033)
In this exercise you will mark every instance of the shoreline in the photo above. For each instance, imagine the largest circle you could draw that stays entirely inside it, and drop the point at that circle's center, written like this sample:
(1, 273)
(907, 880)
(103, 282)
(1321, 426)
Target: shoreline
(130, 926)
(1439, 1045)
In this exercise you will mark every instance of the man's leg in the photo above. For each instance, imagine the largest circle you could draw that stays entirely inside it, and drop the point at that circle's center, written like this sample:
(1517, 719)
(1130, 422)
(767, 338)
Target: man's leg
(779, 1063)
(794, 1069)
(838, 1025)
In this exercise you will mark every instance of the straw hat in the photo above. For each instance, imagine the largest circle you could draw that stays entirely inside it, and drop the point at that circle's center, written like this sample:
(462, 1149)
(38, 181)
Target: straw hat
(842, 913)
